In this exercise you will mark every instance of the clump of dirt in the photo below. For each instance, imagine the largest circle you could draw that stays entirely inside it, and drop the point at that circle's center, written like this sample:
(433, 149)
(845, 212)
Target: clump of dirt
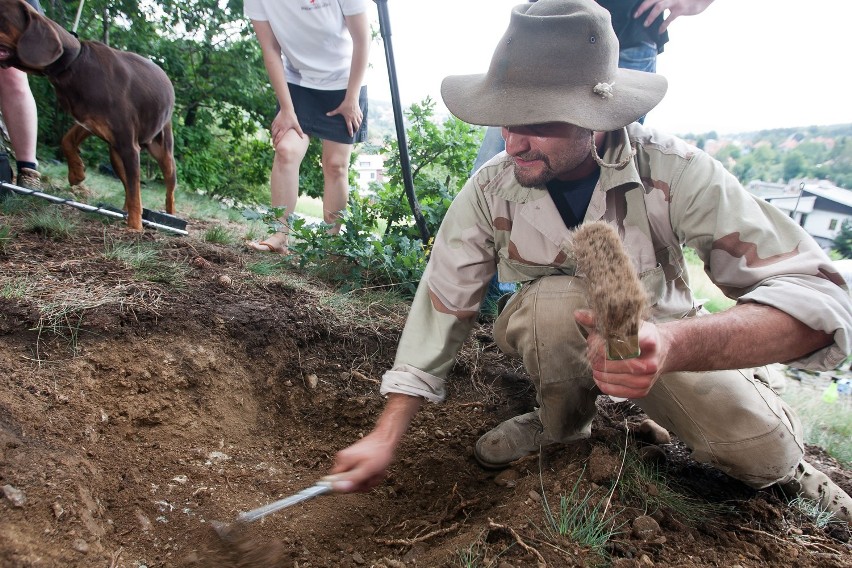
(138, 412)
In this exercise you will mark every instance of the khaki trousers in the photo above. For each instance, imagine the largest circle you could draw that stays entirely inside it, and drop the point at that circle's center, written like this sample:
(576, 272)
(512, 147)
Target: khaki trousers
(732, 420)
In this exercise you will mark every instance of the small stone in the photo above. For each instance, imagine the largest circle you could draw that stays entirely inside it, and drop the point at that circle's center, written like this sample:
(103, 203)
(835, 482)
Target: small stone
(313, 381)
(224, 280)
(654, 432)
(507, 478)
(645, 560)
(58, 511)
(357, 558)
(16, 496)
(80, 546)
(645, 528)
(535, 496)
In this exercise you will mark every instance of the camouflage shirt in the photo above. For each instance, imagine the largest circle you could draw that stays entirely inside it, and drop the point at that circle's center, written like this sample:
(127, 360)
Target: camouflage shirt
(669, 196)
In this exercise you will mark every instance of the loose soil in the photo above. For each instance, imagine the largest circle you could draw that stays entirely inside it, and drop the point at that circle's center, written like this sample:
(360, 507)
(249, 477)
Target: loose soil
(138, 416)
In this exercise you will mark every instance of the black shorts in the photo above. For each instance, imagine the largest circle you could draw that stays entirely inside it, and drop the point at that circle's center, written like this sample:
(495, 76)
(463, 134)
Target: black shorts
(312, 104)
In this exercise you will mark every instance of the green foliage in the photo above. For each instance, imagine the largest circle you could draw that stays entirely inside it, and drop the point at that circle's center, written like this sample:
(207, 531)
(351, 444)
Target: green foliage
(843, 240)
(441, 157)
(358, 257)
(362, 255)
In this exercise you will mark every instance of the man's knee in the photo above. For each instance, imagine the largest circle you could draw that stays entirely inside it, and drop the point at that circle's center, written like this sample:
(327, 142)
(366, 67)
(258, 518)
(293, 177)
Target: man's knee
(542, 308)
(759, 462)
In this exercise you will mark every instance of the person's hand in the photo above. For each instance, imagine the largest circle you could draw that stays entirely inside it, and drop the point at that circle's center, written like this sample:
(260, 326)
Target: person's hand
(284, 121)
(628, 378)
(351, 112)
(675, 7)
(363, 465)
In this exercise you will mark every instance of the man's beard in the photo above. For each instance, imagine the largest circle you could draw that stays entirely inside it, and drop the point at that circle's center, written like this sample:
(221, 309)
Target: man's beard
(528, 178)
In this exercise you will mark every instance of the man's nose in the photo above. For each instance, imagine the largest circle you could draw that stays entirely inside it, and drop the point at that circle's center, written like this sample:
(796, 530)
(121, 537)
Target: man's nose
(515, 142)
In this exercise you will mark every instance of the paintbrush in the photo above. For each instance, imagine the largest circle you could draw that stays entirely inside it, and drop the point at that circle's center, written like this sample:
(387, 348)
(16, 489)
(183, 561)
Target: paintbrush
(616, 294)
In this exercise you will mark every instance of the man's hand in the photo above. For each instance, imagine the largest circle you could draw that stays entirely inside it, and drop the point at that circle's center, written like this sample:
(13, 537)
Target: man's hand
(628, 378)
(364, 464)
(284, 121)
(675, 7)
(351, 112)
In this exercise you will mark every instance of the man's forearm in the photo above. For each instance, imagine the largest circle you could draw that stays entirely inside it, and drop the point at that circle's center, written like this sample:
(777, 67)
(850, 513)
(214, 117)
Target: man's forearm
(397, 415)
(746, 335)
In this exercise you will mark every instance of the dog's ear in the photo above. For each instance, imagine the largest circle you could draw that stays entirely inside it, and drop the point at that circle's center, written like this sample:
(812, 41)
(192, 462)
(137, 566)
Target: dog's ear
(39, 45)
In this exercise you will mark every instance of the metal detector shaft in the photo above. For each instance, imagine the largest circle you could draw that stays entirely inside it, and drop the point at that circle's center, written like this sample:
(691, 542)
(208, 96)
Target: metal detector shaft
(87, 208)
(320, 488)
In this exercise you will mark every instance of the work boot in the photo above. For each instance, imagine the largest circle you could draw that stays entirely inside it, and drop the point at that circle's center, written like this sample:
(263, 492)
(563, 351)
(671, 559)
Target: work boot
(509, 441)
(29, 179)
(814, 485)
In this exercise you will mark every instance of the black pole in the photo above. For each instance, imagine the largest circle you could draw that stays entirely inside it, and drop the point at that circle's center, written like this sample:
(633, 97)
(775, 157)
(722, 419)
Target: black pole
(384, 29)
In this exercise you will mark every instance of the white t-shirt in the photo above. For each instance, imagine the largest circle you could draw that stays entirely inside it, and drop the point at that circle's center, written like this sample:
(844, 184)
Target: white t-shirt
(315, 44)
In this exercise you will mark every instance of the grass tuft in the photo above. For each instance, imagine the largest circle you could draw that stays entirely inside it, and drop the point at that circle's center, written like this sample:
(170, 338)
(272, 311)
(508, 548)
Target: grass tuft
(50, 222)
(811, 509)
(218, 234)
(581, 517)
(145, 259)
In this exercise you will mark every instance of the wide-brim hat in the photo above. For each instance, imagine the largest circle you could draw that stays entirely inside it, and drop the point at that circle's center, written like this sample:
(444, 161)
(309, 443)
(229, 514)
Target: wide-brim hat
(557, 62)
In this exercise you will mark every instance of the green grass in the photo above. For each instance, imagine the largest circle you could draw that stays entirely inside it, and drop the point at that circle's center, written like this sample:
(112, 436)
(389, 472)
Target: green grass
(50, 222)
(827, 425)
(702, 287)
(145, 259)
(582, 517)
(5, 238)
(16, 288)
(219, 235)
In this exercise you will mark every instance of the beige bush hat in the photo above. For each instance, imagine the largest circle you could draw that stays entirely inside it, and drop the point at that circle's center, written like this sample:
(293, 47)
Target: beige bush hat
(557, 62)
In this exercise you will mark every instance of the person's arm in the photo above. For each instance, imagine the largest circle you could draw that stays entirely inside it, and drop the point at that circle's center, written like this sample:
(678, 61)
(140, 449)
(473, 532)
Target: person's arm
(286, 118)
(745, 335)
(364, 464)
(359, 29)
(675, 7)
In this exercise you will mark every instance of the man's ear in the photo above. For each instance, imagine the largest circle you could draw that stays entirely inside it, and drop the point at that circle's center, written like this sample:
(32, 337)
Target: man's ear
(39, 44)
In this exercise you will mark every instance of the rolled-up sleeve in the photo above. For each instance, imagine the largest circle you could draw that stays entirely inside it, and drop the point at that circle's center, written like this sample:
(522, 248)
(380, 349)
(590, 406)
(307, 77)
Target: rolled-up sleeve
(755, 253)
(447, 300)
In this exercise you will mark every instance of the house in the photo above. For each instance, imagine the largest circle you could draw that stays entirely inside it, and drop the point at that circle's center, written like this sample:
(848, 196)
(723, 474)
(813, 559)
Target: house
(819, 207)
(370, 169)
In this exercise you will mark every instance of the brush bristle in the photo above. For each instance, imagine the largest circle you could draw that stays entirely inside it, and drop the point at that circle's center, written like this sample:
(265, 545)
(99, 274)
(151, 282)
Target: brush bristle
(615, 292)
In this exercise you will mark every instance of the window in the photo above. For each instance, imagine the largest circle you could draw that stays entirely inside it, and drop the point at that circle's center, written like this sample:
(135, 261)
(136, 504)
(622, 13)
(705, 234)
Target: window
(364, 164)
(832, 224)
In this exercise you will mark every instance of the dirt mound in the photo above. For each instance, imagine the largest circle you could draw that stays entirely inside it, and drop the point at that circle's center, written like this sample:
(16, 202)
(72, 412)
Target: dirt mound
(135, 415)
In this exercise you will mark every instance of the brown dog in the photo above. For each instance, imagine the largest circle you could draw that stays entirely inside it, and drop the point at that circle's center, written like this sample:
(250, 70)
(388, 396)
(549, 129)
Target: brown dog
(121, 97)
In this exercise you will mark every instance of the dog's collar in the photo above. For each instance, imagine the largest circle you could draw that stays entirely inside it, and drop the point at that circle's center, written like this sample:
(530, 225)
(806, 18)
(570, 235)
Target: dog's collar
(65, 61)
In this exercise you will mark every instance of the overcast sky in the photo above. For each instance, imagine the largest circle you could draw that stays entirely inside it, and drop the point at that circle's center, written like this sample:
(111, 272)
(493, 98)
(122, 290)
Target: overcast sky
(741, 65)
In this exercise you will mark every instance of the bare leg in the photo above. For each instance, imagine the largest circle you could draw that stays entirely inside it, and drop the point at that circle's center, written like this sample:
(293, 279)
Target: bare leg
(284, 186)
(335, 169)
(19, 112)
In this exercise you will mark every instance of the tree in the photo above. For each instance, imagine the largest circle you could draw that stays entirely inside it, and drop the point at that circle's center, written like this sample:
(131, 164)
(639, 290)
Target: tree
(843, 240)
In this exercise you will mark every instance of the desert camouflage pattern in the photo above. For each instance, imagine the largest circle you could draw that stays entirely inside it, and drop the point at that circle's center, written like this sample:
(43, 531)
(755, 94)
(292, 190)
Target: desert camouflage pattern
(669, 196)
